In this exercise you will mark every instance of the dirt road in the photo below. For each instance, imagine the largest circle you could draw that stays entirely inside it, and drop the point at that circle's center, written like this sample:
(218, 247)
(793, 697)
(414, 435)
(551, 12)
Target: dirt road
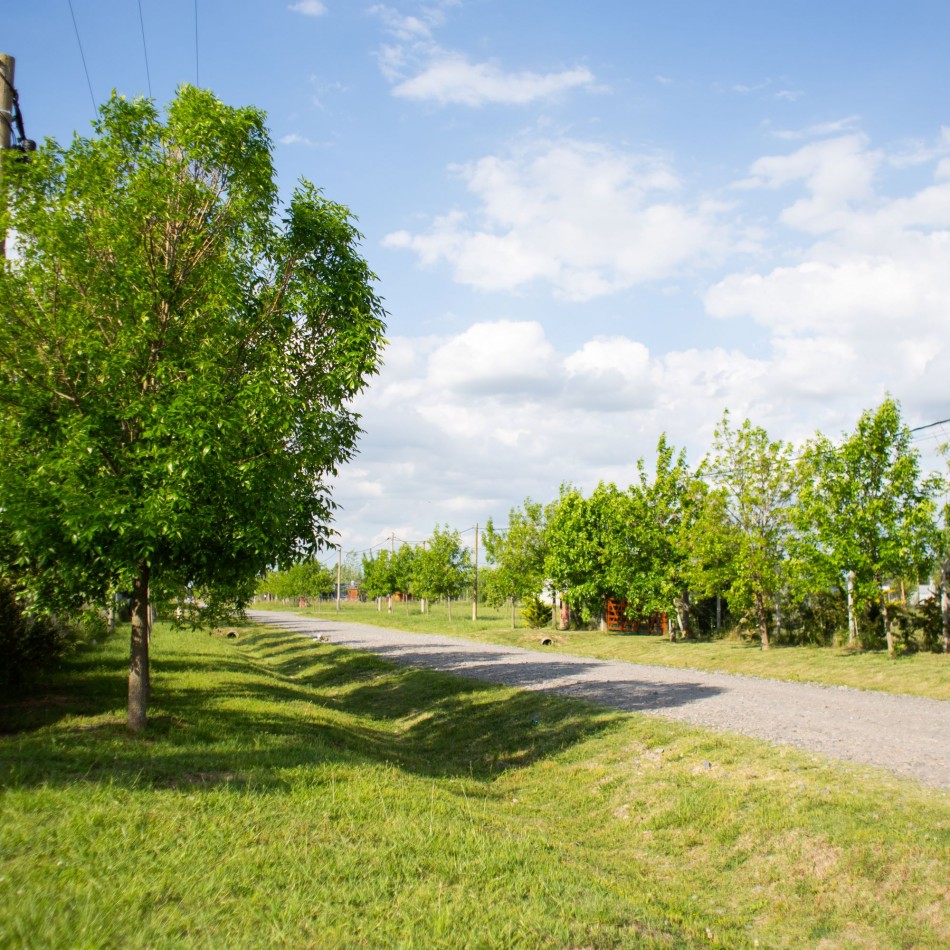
(905, 734)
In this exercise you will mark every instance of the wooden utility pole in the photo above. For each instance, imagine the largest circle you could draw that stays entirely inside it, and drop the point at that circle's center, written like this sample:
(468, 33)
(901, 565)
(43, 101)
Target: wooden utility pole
(7, 64)
(475, 579)
(392, 552)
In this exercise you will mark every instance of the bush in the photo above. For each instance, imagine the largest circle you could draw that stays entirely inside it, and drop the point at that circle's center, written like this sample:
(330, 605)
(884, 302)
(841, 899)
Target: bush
(27, 644)
(535, 612)
(821, 619)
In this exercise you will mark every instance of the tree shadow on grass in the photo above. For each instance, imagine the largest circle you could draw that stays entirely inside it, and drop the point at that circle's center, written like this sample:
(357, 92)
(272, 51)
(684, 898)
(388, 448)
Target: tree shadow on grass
(257, 711)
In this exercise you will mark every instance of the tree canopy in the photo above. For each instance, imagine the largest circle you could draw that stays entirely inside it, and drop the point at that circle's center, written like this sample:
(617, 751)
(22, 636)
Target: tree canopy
(864, 506)
(177, 358)
(443, 568)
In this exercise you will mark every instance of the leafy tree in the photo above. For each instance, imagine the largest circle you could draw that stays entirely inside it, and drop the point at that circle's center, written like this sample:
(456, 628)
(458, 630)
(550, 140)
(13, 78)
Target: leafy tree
(304, 579)
(866, 508)
(378, 578)
(403, 571)
(351, 571)
(661, 516)
(443, 568)
(177, 358)
(746, 516)
(518, 552)
(589, 547)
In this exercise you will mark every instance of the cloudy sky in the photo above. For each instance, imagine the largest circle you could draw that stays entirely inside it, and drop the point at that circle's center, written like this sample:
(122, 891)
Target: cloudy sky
(592, 222)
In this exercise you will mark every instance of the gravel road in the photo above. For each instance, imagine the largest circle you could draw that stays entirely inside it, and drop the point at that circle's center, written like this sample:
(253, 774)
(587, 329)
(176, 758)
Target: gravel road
(905, 734)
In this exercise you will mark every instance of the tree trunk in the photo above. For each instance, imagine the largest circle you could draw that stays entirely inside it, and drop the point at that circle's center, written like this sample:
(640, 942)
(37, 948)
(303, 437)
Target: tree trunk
(139, 679)
(512, 599)
(763, 618)
(681, 604)
(448, 602)
(678, 613)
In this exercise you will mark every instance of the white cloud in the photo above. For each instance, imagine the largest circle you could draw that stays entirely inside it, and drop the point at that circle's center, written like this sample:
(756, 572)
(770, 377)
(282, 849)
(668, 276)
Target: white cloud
(308, 7)
(863, 309)
(451, 79)
(493, 358)
(819, 130)
(420, 69)
(836, 172)
(586, 219)
(294, 138)
(411, 28)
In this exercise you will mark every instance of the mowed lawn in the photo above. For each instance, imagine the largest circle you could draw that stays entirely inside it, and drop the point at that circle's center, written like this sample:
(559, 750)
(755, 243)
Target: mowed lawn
(294, 794)
(917, 674)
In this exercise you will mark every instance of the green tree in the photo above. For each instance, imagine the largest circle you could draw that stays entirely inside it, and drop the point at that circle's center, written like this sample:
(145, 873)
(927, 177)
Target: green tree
(377, 575)
(865, 507)
(518, 553)
(177, 358)
(443, 568)
(589, 547)
(403, 571)
(748, 514)
(351, 572)
(661, 516)
(304, 579)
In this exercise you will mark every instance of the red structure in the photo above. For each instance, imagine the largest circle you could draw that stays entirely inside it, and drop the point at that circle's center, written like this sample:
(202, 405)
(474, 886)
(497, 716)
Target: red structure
(617, 619)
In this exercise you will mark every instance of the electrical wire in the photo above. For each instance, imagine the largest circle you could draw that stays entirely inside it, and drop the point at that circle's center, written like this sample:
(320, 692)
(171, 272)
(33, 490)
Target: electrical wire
(82, 55)
(930, 425)
(148, 74)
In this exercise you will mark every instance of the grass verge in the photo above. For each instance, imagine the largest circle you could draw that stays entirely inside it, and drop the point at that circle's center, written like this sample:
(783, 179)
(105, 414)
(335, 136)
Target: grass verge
(919, 674)
(292, 794)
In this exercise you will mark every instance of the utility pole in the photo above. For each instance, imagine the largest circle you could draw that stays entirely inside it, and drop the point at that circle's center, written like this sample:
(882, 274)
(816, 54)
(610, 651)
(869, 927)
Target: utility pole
(475, 579)
(392, 552)
(339, 573)
(7, 64)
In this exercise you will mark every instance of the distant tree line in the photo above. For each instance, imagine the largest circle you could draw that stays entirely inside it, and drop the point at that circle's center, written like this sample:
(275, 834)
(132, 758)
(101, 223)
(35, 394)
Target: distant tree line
(821, 544)
(796, 546)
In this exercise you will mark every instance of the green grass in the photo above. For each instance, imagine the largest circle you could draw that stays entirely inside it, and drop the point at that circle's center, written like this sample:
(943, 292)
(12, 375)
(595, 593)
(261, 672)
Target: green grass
(919, 674)
(292, 794)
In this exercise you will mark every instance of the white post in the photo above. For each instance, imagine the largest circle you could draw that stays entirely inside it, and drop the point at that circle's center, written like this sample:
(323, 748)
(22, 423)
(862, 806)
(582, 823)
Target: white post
(339, 572)
(852, 619)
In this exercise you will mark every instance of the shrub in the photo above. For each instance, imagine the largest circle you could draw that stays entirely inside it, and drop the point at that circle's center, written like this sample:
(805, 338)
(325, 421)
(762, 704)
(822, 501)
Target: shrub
(535, 612)
(27, 644)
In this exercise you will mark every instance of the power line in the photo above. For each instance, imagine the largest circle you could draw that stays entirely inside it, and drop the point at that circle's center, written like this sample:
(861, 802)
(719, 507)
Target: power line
(930, 425)
(83, 57)
(148, 74)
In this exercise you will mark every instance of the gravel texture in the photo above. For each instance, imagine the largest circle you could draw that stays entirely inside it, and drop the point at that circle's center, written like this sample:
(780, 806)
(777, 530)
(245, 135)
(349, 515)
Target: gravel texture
(905, 734)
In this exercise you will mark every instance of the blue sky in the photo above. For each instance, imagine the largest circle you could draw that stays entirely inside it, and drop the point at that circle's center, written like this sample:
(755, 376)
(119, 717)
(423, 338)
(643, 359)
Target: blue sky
(592, 223)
